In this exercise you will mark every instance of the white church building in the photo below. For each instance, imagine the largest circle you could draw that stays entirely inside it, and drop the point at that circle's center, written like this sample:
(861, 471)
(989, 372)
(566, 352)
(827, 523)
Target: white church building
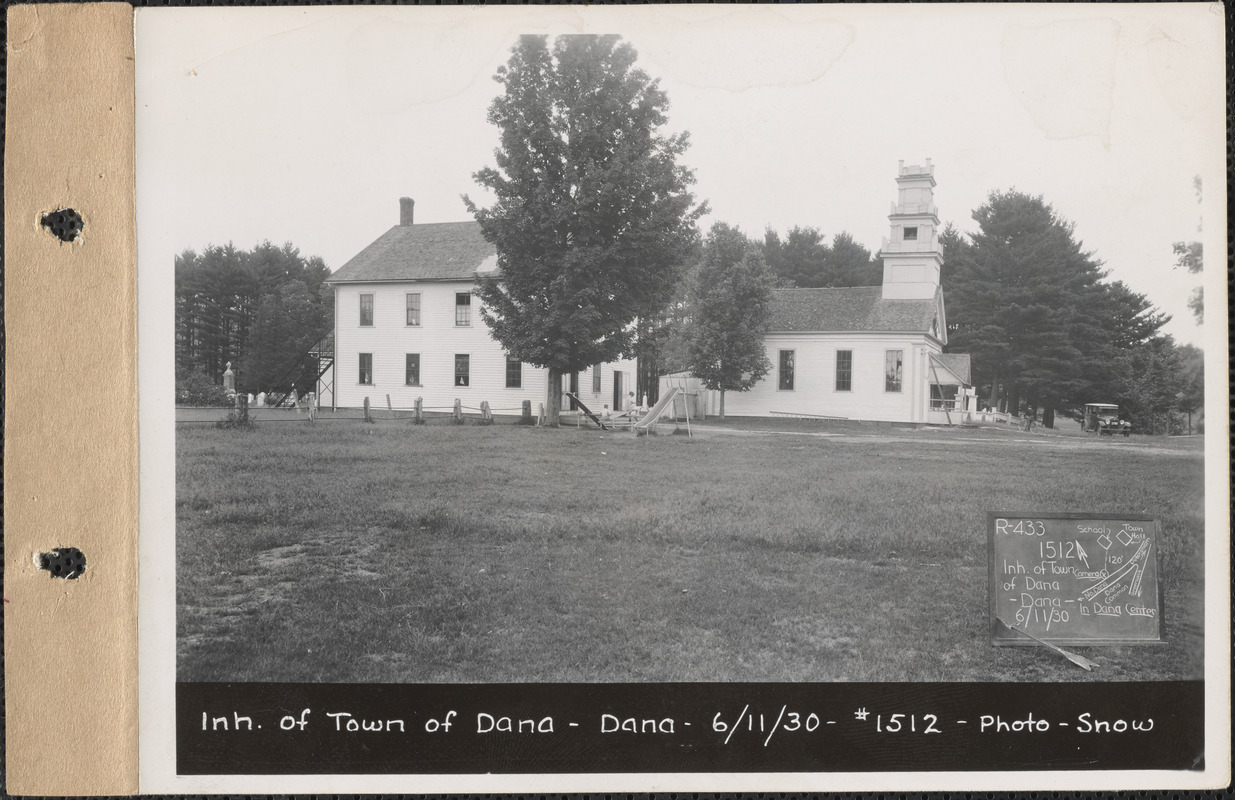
(869, 353)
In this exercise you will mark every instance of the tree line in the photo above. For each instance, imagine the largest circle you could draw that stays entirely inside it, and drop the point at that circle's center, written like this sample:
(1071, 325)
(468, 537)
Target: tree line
(260, 310)
(595, 229)
(599, 255)
(1048, 331)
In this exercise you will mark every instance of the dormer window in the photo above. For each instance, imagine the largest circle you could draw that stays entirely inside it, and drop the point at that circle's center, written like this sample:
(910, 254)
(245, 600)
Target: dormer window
(911, 234)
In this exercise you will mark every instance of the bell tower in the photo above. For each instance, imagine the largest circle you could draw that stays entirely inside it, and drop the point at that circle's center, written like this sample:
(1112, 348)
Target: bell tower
(912, 255)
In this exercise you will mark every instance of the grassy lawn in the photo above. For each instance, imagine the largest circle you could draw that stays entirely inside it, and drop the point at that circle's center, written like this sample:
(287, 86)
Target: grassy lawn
(348, 552)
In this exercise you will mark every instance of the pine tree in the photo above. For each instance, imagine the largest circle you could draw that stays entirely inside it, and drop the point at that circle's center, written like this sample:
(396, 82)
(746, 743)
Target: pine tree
(851, 264)
(1015, 297)
(805, 260)
(1044, 328)
(259, 309)
(592, 213)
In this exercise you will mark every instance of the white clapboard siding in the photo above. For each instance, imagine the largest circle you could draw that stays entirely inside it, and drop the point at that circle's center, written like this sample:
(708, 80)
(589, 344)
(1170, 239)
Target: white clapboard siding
(814, 387)
(437, 340)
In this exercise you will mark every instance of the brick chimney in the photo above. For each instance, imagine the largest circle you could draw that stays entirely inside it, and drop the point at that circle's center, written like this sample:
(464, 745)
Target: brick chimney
(406, 206)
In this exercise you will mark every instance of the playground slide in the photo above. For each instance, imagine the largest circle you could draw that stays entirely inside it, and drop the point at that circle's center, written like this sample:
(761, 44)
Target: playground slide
(658, 410)
(587, 411)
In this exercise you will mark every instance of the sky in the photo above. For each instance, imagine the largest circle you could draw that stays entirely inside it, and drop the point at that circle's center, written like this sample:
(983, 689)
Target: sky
(306, 125)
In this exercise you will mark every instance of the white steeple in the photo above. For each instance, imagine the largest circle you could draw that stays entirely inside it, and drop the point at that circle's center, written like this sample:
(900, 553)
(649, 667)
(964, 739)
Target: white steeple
(912, 255)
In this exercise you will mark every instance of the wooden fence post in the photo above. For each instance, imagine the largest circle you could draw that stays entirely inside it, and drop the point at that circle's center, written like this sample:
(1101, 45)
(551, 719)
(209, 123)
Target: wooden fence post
(486, 416)
(367, 416)
(458, 413)
(540, 414)
(388, 406)
(242, 408)
(419, 412)
(527, 412)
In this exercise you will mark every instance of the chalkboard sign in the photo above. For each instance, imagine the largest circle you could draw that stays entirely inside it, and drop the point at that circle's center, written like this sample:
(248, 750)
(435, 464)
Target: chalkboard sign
(1074, 579)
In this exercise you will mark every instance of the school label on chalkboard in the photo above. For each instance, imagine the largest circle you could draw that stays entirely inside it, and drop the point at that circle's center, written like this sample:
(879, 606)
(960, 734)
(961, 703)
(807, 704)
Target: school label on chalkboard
(1074, 579)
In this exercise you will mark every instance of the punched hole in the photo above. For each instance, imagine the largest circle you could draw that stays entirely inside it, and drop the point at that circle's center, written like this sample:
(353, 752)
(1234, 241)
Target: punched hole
(65, 224)
(63, 562)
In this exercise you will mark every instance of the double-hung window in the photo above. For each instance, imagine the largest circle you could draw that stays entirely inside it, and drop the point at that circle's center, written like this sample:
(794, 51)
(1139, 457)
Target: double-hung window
(844, 370)
(786, 370)
(463, 311)
(413, 308)
(893, 364)
(413, 369)
(366, 310)
(596, 379)
(463, 369)
(366, 369)
(514, 373)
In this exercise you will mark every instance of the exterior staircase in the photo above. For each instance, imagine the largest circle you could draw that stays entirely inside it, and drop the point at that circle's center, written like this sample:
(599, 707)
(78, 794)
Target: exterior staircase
(306, 373)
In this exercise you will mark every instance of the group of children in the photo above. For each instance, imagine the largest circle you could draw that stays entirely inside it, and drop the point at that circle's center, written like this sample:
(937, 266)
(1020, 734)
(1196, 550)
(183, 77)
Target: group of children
(634, 408)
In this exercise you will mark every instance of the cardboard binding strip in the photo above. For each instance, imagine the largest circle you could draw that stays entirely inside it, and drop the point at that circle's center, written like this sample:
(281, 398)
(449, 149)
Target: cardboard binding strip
(70, 402)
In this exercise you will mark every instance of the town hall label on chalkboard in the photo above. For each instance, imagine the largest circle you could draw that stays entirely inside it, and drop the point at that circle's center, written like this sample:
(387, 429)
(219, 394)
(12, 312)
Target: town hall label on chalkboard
(1074, 579)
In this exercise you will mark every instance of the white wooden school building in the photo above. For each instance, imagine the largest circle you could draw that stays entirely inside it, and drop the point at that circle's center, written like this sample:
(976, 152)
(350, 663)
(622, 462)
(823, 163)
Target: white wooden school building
(407, 326)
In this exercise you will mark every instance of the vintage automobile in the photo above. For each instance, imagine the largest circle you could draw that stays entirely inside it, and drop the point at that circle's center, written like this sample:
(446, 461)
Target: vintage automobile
(1103, 418)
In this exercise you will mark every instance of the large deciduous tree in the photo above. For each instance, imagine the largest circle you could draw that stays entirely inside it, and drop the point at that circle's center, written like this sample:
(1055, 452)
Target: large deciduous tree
(1191, 256)
(593, 213)
(730, 299)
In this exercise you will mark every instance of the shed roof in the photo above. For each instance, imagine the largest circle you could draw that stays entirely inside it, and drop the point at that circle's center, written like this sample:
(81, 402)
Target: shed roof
(957, 364)
(859, 308)
(436, 251)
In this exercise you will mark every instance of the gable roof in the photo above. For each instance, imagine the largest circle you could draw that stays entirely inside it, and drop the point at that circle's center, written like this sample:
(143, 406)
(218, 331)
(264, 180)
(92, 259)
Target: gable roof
(860, 308)
(436, 251)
